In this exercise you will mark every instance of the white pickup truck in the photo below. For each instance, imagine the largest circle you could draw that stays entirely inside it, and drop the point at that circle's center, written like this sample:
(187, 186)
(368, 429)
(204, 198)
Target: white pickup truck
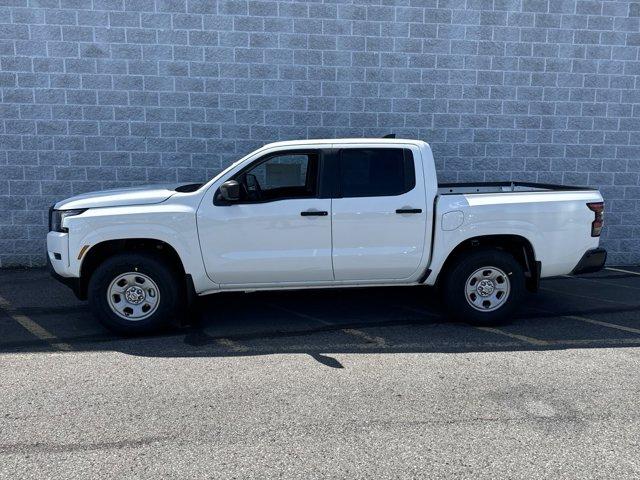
(317, 214)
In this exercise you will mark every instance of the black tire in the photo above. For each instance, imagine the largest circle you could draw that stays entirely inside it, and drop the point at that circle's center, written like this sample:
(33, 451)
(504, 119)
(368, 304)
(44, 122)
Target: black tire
(170, 299)
(455, 282)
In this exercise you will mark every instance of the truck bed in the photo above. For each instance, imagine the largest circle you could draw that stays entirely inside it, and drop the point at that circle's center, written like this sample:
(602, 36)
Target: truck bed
(503, 187)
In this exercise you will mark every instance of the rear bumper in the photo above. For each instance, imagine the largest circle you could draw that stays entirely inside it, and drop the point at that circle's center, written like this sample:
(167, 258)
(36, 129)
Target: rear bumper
(591, 261)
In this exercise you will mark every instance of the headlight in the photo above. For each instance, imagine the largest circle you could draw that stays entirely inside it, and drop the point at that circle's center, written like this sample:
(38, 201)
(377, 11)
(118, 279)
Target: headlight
(57, 216)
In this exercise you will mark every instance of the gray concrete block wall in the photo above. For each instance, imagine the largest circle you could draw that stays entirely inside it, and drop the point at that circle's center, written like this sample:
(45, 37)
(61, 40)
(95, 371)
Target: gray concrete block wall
(104, 93)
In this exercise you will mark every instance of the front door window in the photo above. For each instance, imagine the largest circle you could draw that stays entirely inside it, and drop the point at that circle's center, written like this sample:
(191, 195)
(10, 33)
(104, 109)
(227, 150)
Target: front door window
(281, 176)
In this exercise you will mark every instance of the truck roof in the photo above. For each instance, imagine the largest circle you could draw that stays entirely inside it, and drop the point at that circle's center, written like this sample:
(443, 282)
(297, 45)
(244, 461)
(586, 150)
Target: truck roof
(346, 141)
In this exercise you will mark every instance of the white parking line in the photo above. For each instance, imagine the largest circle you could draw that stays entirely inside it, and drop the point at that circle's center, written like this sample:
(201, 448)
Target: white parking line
(603, 282)
(594, 322)
(596, 342)
(300, 314)
(622, 270)
(375, 341)
(523, 338)
(232, 345)
(497, 331)
(420, 311)
(32, 327)
(452, 345)
(598, 299)
(604, 324)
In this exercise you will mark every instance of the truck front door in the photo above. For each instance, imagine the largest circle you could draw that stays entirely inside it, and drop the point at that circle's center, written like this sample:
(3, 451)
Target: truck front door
(278, 232)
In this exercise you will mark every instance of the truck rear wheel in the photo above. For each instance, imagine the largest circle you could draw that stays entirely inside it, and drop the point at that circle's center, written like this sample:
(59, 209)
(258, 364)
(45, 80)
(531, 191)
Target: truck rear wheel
(133, 294)
(484, 287)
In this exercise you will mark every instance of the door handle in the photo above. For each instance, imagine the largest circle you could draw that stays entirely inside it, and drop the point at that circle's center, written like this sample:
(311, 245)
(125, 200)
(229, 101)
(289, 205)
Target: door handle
(314, 213)
(409, 210)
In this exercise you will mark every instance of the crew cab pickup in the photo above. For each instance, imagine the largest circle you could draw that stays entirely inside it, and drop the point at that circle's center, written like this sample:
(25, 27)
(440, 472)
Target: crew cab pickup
(317, 214)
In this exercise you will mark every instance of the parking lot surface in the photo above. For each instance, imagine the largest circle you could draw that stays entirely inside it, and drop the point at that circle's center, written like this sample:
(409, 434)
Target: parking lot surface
(359, 383)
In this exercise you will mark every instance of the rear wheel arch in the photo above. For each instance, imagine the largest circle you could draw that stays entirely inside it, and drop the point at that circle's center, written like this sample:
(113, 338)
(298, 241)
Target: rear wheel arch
(100, 252)
(516, 245)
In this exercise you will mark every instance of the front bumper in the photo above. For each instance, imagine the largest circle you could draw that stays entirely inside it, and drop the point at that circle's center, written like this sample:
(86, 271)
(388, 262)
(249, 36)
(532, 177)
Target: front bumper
(591, 261)
(58, 252)
(58, 261)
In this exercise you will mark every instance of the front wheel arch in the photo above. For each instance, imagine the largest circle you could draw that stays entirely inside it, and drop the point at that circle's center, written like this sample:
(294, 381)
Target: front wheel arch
(100, 252)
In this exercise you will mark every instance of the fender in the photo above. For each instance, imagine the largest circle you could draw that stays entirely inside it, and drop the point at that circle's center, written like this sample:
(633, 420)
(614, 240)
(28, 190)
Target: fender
(100, 225)
(454, 239)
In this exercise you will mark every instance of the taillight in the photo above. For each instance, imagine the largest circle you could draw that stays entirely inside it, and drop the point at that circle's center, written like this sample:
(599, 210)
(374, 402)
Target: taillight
(596, 225)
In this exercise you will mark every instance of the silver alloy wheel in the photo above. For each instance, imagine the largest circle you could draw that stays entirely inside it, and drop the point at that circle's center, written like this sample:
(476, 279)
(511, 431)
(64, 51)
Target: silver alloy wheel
(487, 289)
(133, 296)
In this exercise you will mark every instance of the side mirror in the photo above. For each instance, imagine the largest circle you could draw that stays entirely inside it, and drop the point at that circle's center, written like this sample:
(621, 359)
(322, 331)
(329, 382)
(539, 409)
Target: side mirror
(230, 191)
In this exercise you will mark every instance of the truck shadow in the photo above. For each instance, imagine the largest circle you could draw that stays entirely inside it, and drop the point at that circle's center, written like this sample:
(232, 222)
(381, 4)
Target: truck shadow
(326, 324)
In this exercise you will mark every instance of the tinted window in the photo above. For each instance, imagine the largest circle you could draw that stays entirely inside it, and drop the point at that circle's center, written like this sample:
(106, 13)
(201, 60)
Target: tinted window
(376, 172)
(290, 175)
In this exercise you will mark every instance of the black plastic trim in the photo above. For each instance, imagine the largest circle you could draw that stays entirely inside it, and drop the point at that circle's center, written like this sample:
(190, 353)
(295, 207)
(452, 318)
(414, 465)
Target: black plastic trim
(329, 173)
(314, 213)
(533, 281)
(547, 186)
(409, 210)
(424, 276)
(591, 261)
(191, 289)
(50, 216)
(72, 282)
(188, 188)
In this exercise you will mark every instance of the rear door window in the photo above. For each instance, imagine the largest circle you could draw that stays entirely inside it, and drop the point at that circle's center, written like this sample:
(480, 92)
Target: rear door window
(376, 172)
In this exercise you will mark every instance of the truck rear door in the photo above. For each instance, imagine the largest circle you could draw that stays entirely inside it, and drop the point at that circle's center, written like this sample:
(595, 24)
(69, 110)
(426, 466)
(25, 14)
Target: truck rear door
(379, 213)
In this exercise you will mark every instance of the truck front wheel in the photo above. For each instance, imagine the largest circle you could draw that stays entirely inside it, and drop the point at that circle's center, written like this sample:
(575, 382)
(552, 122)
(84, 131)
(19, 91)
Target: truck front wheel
(134, 293)
(484, 287)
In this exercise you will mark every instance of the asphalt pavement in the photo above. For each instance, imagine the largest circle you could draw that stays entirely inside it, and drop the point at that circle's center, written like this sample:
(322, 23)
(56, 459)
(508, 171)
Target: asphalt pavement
(355, 383)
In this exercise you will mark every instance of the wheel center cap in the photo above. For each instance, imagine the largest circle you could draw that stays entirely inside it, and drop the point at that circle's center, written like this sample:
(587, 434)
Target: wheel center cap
(485, 288)
(134, 295)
